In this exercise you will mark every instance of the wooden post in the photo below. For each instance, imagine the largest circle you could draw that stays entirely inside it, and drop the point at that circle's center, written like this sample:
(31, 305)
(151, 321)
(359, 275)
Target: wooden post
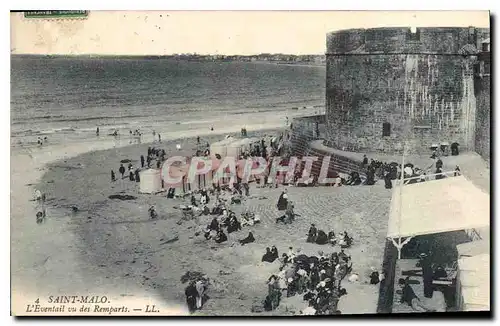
(401, 199)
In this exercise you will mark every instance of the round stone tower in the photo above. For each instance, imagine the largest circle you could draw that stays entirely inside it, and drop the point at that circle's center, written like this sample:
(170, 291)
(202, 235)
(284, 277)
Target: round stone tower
(386, 87)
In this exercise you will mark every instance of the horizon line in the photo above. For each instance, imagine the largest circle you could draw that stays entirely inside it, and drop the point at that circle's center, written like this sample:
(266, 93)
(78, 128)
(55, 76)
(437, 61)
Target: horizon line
(162, 55)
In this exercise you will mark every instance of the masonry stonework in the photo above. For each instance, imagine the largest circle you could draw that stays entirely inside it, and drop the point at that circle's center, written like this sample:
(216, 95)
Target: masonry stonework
(419, 84)
(483, 116)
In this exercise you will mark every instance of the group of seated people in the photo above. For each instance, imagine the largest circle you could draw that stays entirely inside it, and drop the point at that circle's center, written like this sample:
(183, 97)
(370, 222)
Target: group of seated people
(271, 254)
(318, 279)
(229, 221)
(320, 237)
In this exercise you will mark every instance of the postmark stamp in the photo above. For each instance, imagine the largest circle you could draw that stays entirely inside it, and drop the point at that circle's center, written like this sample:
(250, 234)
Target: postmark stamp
(56, 14)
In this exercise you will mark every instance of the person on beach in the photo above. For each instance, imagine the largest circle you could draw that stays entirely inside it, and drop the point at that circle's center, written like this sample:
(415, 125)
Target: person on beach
(137, 179)
(113, 178)
(191, 294)
(97, 132)
(439, 174)
(387, 180)
(220, 237)
(282, 201)
(268, 256)
(159, 138)
(152, 212)
(40, 217)
(198, 140)
(142, 161)
(312, 234)
(249, 239)
(122, 170)
(131, 175)
(38, 195)
(274, 253)
(321, 238)
(427, 274)
(408, 296)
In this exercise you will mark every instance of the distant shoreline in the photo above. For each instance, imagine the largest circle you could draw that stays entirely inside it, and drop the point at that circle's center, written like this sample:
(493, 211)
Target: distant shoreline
(201, 58)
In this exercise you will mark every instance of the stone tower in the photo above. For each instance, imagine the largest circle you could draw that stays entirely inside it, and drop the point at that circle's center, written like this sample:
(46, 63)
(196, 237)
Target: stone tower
(389, 86)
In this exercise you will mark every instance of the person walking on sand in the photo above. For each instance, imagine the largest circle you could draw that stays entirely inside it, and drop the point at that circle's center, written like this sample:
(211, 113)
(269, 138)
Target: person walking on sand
(159, 138)
(122, 170)
(97, 132)
(38, 195)
(113, 178)
(142, 161)
(131, 175)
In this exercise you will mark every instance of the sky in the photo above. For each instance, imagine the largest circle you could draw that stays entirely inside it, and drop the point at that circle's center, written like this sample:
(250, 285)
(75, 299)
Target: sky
(212, 32)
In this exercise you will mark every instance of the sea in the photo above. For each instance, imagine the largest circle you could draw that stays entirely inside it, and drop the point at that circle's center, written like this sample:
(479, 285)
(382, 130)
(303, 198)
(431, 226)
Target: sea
(67, 98)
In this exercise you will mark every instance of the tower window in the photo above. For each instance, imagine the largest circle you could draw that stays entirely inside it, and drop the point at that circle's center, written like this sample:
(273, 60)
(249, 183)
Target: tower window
(386, 129)
(486, 47)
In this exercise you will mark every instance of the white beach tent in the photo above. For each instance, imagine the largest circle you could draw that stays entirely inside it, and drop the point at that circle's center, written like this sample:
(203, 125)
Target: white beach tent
(436, 206)
(150, 181)
(220, 147)
(236, 148)
(473, 283)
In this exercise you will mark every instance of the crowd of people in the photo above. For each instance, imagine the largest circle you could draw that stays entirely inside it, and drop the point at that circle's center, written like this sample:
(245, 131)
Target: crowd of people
(374, 170)
(224, 219)
(317, 278)
(153, 154)
(41, 140)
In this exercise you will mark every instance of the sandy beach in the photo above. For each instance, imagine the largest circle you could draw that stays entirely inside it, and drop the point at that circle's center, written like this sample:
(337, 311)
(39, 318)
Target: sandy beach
(112, 244)
(47, 259)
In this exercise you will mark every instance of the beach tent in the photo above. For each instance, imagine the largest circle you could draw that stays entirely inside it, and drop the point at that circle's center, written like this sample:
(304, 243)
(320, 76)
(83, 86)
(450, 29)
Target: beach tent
(236, 148)
(198, 182)
(204, 181)
(436, 206)
(220, 147)
(150, 181)
(473, 283)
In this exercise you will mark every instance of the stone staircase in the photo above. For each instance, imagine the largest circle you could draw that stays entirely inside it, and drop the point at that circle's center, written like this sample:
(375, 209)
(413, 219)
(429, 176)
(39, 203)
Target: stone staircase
(305, 135)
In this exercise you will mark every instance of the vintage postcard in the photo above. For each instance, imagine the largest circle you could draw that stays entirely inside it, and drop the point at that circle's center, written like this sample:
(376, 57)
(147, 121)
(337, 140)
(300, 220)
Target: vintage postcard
(261, 163)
